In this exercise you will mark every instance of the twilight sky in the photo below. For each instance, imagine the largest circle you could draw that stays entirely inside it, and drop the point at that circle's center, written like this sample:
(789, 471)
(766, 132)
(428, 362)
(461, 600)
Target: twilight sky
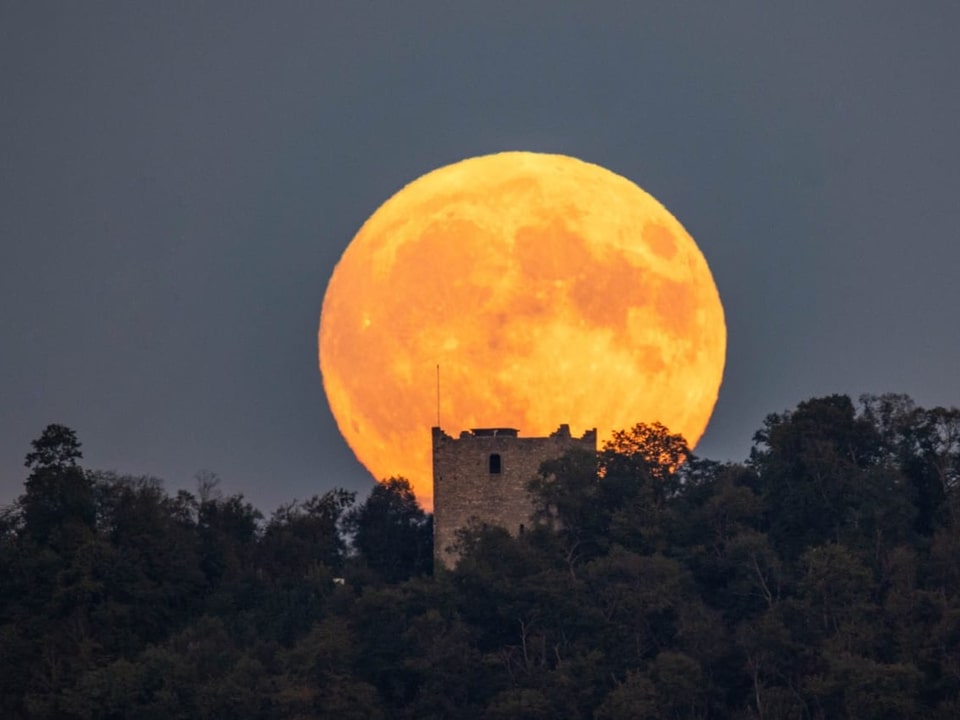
(177, 181)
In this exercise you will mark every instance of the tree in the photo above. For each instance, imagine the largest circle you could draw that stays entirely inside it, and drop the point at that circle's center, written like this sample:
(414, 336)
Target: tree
(391, 533)
(618, 495)
(837, 591)
(650, 450)
(153, 577)
(633, 699)
(56, 448)
(641, 483)
(566, 499)
(58, 503)
(925, 446)
(300, 537)
(228, 529)
(932, 460)
(811, 466)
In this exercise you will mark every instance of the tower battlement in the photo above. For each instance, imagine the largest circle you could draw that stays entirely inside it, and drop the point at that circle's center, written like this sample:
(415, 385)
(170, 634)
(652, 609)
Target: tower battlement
(482, 476)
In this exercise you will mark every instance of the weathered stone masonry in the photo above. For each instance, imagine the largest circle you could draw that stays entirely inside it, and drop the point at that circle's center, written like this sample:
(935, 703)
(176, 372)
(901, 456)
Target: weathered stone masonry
(482, 476)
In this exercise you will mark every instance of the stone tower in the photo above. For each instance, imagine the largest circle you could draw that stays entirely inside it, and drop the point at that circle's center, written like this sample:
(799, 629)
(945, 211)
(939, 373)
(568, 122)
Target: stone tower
(482, 476)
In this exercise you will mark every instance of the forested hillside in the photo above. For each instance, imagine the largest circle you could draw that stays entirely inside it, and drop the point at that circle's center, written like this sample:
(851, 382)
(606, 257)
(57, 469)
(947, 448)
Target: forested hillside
(820, 578)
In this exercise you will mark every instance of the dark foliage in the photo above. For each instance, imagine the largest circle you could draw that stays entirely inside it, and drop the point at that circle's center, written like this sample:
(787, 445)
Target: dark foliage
(820, 579)
(391, 533)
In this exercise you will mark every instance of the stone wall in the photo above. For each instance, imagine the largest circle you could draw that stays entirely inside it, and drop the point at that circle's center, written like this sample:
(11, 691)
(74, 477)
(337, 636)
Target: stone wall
(467, 488)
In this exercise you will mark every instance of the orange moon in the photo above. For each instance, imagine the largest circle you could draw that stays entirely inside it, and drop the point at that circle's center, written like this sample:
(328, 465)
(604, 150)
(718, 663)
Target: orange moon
(548, 290)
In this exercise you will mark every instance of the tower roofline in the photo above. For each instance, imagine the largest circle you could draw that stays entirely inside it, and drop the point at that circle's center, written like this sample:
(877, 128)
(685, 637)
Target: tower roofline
(507, 432)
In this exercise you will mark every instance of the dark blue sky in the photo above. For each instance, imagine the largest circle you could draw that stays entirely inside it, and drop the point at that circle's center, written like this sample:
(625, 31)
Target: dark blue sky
(177, 181)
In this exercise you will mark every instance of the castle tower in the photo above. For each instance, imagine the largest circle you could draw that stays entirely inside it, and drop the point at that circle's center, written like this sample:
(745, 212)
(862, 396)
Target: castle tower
(482, 476)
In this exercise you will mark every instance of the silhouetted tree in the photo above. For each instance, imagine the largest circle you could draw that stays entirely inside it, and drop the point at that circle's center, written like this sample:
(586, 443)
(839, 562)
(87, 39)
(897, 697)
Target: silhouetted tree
(58, 505)
(391, 533)
(811, 465)
(300, 537)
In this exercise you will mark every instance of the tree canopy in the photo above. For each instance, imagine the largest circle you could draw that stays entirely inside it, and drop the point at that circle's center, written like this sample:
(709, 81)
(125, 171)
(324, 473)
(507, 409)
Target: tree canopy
(819, 578)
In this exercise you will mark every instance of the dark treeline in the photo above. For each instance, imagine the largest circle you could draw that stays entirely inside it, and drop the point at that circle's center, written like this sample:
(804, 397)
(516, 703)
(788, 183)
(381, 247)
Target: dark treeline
(818, 579)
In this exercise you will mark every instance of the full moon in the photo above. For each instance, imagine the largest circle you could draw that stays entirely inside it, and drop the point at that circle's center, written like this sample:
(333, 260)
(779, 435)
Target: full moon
(546, 289)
